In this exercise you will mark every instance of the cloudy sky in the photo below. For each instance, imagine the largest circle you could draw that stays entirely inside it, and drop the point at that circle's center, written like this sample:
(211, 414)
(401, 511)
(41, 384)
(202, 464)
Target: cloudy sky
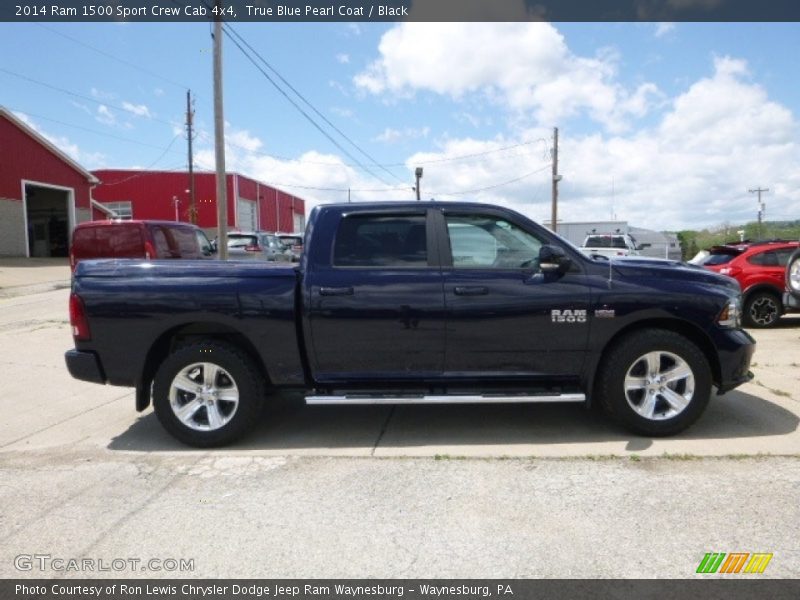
(664, 125)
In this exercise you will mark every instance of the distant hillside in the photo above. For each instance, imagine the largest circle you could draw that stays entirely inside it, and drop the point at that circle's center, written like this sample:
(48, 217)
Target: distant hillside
(693, 241)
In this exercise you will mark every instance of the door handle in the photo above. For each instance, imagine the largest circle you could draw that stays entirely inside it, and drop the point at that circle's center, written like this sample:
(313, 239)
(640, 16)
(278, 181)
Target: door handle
(335, 291)
(471, 290)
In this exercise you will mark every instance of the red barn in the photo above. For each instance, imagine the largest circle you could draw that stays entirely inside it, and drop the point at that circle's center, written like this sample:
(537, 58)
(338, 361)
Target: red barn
(137, 194)
(43, 192)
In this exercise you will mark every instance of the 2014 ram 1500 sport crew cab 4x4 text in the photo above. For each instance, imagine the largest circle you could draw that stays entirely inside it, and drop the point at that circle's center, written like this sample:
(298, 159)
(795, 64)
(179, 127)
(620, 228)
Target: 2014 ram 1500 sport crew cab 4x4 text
(398, 303)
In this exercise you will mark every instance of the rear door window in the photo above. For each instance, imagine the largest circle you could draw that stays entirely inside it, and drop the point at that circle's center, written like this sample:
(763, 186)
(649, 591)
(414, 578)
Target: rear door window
(381, 241)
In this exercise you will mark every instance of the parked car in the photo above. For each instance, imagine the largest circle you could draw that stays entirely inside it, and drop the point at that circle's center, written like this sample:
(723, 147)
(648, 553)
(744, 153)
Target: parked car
(411, 303)
(791, 298)
(294, 241)
(610, 244)
(138, 239)
(257, 245)
(760, 269)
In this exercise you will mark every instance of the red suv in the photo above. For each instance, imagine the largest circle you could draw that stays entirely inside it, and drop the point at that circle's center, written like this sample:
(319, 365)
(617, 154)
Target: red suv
(137, 239)
(760, 269)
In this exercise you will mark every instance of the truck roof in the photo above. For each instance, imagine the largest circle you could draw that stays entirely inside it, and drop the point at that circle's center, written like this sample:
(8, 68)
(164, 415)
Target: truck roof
(411, 204)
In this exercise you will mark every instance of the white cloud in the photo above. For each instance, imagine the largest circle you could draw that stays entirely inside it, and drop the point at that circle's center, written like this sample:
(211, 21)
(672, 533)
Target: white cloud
(140, 110)
(343, 58)
(102, 95)
(342, 112)
(662, 29)
(390, 135)
(690, 168)
(314, 176)
(105, 115)
(523, 66)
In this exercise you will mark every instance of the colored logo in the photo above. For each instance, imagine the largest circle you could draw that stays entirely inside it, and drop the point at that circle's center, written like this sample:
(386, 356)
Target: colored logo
(735, 562)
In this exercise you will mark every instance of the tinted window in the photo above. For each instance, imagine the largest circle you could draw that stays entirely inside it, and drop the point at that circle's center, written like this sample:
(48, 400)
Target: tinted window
(272, 242)
(292, 240)
(381, 241)
(483, 241)
(205, 245)
(604, 241)
(764, 259)
(185, 242)
(718, 259)
(117, 241)
(161, 243)
(240, 241)
(784, 254)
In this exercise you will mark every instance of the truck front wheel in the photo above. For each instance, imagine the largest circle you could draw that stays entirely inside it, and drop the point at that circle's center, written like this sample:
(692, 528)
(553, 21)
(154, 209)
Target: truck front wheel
(207, 394)
(655, 382)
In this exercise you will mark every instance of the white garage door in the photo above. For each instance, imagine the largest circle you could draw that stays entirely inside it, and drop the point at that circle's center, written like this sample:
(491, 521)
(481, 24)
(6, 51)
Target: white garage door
(247, 217)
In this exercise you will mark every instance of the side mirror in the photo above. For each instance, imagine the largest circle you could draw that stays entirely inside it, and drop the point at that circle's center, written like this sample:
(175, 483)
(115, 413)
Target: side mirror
(553, 259)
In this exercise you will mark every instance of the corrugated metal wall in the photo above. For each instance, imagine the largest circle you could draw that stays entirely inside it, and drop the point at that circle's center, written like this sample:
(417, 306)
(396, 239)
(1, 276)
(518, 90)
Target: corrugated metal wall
(152, 193)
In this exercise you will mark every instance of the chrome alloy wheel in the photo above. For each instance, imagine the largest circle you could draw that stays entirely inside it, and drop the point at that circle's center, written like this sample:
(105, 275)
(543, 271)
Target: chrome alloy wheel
(659, 385)
(203, 396)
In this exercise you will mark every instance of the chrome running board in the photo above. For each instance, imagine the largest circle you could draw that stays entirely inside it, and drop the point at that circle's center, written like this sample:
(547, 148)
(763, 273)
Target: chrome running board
(442, 399)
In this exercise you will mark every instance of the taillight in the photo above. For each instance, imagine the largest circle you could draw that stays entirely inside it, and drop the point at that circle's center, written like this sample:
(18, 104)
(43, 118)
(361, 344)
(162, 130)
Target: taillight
(253, 248)
(149, 250)
(77, 318)
(730, 271)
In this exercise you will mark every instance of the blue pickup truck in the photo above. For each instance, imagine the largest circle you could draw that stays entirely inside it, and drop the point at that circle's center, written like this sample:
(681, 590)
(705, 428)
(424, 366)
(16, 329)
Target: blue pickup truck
(405, 303)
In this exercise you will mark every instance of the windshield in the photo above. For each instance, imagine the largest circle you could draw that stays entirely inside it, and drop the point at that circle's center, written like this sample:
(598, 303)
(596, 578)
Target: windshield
(239, 241)
(292, 240)
(605, 241)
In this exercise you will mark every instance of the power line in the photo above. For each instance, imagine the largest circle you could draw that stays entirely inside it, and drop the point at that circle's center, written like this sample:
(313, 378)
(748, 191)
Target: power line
(81, 96)
(456, 158)
(148, 167)
(87, 129)
(112, 57)
(229, 29)
(497, 185)
(396, 189)
(303, 112)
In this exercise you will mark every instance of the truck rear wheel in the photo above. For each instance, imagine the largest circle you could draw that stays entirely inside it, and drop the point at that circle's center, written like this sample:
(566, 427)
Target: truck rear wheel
(207, 394)
(655, 382)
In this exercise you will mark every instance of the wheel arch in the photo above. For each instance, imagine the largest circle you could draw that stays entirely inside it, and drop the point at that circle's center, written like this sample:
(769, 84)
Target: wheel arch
(185, 332)
(763, 287)
(693, 333)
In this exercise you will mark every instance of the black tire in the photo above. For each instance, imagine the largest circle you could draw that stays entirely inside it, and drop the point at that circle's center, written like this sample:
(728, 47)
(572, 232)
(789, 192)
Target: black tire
(627, 358)
(236, 375)
(762, 310)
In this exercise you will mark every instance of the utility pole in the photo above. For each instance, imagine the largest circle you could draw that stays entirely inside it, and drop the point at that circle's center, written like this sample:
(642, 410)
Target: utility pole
(418, 175)
(219, 144)
(556, 179)
(758, 191)
(189, 134)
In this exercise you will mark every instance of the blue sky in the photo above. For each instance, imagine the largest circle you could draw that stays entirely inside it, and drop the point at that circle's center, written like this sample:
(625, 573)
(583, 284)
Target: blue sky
(665, 125)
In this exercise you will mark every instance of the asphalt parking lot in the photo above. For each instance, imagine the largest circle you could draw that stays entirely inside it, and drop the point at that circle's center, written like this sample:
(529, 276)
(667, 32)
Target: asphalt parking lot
(437, 491)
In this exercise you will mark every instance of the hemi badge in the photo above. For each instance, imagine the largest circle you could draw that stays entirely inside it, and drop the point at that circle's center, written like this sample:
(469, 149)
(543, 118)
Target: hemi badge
(604, 313)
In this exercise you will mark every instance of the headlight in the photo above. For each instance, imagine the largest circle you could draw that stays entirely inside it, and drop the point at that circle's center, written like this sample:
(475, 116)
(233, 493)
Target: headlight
(793, 275)
(731, 315)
